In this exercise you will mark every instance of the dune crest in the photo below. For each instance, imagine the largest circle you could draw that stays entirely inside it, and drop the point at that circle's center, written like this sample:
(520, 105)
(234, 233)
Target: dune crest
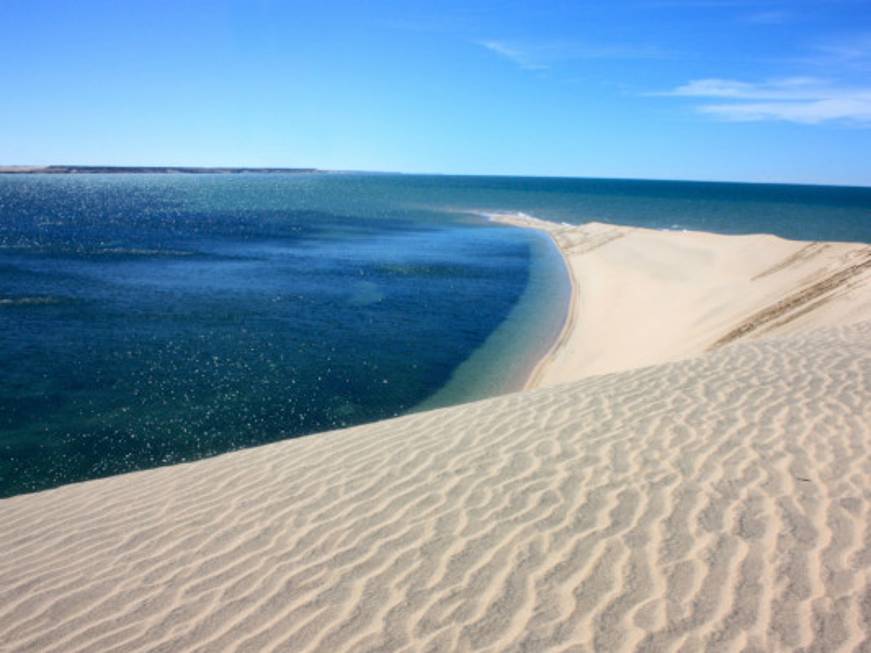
(717, 503)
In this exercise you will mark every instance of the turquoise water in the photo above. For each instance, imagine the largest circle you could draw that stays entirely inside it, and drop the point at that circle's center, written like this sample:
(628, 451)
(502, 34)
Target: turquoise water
(153, 319)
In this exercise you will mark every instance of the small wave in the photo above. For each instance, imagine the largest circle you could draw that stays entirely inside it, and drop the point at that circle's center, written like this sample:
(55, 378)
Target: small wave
(29, 301)
(137, 251)
(44, 248)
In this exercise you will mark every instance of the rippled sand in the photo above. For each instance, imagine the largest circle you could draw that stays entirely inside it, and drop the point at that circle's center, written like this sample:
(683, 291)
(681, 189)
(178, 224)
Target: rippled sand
(717, 503)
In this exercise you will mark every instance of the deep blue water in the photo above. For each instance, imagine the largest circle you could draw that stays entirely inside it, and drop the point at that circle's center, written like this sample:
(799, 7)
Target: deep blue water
(153, 319)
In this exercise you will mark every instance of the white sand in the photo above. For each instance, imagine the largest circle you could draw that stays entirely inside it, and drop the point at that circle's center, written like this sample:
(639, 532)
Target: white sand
(718, 503)
(644, 296)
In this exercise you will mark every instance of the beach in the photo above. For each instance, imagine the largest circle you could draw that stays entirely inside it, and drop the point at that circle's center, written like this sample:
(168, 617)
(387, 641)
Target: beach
(687, 470)
(647, 296)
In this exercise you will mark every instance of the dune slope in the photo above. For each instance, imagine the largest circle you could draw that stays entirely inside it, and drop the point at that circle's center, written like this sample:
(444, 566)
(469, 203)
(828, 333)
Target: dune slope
(717, 503)
(647, 296)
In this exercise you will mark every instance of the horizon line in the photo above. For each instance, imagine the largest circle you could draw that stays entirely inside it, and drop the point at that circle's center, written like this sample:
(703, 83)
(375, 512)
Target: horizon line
(55, 169)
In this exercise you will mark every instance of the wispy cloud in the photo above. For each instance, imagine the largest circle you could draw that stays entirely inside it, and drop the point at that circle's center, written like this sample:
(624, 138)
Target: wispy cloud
(544, 55)
(519, 56)
(790, 88)
(853, 51)
(805, 100)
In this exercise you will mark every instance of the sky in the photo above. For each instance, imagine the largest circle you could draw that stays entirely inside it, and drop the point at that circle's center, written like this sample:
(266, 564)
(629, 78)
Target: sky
(760, 90)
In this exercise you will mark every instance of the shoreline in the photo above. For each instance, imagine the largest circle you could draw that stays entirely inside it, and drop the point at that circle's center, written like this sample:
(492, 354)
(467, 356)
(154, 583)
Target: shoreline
(513, 351)
(642, 296)
(567, 326)
(569, 317)
(136, 170)
(694, 501)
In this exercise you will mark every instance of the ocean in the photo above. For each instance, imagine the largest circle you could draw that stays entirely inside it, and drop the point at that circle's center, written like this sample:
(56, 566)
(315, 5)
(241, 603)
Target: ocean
(148, 320)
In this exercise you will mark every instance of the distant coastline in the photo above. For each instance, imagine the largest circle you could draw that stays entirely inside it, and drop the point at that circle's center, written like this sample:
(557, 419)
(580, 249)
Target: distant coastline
(93, 170)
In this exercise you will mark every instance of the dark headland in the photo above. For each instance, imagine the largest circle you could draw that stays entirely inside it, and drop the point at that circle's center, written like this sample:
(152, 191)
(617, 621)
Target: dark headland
(85, 170)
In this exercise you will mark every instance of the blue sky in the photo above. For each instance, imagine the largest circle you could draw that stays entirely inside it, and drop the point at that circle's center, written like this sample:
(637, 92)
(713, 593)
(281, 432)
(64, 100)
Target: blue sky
(694, 89)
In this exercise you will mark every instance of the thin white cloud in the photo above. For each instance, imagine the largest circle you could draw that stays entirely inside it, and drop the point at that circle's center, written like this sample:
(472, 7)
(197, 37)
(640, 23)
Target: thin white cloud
(846, 54)
(804, 100)
(857, 110)
(790, 88)
(854, 50)
(522, 58)
(543, 55)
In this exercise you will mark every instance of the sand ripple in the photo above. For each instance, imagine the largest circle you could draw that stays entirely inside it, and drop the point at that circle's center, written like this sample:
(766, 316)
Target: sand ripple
(720, 503)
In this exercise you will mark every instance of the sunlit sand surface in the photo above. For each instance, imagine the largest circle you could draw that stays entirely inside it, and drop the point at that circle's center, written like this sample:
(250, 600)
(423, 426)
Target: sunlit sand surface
(717, 502)
(647, 296)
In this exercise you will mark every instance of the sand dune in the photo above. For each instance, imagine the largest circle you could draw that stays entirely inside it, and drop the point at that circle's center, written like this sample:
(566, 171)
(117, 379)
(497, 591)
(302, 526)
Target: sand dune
(719, 503)
(716, 503)
(645, 296)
